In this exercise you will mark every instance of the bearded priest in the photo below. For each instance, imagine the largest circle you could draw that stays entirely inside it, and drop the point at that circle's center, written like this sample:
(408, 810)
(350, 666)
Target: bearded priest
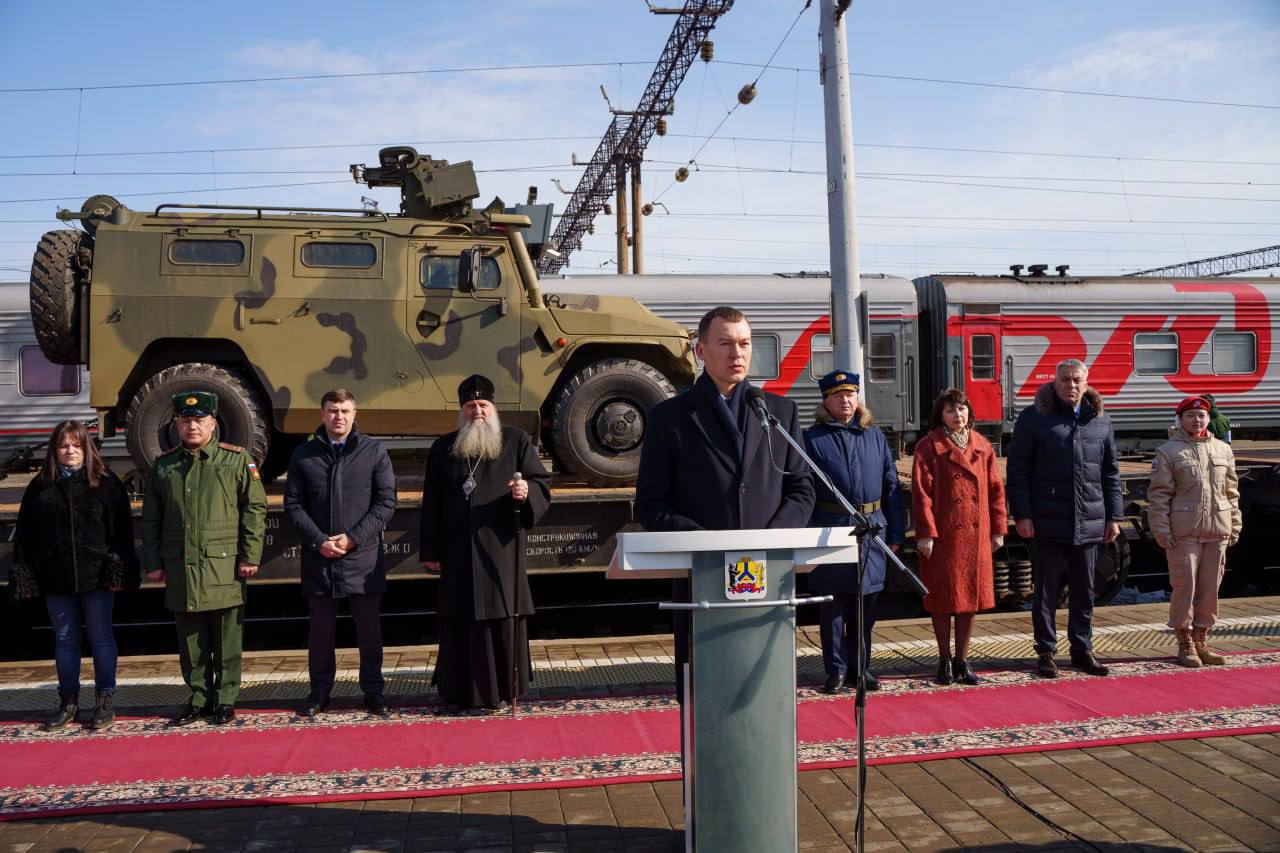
(484, 485)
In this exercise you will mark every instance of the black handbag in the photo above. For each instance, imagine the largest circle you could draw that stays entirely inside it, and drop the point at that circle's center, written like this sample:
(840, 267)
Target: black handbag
(111, 573)
(22, 583)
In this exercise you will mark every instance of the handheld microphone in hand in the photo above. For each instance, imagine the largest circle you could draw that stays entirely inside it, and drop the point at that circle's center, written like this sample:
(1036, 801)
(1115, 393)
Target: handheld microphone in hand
(755, 399)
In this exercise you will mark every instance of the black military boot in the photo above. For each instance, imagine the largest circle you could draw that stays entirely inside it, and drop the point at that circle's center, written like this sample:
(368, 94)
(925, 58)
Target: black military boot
(103, 714)
(68, 711)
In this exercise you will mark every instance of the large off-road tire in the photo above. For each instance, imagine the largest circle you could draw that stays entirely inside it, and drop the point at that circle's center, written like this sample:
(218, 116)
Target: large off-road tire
(598, 421)
(58, 271)
(243, 415)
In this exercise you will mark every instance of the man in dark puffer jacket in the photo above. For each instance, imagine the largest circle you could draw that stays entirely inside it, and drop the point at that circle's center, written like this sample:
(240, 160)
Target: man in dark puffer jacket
(1064, 493)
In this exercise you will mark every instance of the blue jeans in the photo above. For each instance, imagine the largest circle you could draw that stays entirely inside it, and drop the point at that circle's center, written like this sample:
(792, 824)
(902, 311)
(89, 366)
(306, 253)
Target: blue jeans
(67, 613)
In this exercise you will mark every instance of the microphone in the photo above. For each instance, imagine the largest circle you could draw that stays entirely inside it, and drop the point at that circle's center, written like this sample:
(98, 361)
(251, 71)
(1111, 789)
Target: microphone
(755, 399)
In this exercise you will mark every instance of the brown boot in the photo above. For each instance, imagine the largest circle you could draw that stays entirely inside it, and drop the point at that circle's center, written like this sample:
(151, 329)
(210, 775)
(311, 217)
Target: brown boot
(1186, 651)
(1200, 636)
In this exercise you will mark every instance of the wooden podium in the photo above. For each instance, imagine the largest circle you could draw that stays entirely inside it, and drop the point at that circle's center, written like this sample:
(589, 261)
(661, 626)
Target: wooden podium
(738, 723)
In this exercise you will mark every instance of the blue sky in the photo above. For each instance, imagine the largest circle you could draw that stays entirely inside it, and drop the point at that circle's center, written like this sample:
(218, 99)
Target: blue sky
(1131, 183)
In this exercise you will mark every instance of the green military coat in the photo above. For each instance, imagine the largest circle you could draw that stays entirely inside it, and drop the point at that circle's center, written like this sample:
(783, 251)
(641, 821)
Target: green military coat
(203, 513)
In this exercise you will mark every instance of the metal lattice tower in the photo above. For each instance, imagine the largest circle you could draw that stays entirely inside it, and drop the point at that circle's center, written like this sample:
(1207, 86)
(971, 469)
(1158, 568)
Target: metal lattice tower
(629, 134)
(1254, 259)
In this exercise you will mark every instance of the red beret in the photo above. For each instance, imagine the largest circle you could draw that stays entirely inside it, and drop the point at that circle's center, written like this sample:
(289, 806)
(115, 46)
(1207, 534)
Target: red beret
(1190, 403)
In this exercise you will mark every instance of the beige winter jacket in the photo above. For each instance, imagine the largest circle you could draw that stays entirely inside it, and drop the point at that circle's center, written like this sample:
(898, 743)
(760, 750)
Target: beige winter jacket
(1194, 492)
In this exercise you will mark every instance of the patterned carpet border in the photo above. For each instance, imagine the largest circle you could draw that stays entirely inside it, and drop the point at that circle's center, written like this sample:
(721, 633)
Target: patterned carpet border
(15, 732)
(604, 770)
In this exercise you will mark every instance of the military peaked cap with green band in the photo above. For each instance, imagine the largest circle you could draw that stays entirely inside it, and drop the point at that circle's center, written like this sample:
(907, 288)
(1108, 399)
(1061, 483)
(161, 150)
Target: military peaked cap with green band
(195, 403)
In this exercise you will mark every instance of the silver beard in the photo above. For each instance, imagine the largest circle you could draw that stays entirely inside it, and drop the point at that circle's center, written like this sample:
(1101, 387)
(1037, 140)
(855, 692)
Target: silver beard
(478, 440)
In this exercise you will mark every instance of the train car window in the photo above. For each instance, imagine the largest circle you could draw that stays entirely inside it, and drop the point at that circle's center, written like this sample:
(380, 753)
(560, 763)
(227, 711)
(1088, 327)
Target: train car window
(39, 377)
(882, 360)
(982, 361)
(1155, 353)
(764, 357)
(218, 253)
(821, 357)
(440, 272)
(340, 255)
(1235, 352)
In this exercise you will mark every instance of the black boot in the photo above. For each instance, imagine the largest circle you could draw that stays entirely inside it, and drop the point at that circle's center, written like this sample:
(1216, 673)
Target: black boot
(944, 672)
(103, 714)
(962, 672)
(68, 711)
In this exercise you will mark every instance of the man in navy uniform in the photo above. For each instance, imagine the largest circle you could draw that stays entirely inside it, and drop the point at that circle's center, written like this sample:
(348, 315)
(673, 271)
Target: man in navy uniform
(707, 465)
(857, 458)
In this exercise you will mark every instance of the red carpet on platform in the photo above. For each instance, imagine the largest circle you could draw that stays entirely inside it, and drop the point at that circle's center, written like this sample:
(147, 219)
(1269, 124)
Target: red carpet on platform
(275, 757)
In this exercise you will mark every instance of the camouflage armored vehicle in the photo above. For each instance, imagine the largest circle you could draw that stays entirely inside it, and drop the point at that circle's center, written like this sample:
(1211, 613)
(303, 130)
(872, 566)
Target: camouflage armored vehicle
(270, 307)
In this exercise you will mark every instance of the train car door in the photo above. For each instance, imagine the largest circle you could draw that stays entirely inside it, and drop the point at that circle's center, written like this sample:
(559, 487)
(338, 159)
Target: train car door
(886, 386)
(982, 371)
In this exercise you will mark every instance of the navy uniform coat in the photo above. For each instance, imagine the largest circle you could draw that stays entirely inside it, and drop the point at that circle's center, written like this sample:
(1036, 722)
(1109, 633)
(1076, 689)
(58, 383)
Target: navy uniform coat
(1063, 473)
(693, 478)
(353, 493)
(857, 458)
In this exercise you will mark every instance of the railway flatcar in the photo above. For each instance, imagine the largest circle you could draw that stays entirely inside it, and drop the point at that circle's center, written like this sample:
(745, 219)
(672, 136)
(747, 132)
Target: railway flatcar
(1148, 342)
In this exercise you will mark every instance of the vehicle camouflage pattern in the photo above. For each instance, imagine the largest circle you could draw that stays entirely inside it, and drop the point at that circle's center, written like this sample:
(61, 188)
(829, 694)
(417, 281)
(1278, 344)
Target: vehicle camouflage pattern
(271, 307)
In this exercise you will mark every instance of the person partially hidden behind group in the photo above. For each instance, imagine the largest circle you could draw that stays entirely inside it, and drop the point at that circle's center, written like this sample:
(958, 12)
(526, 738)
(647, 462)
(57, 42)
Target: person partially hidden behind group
(957, 506)
(484, 484)
(857, 458)
(74, 545)
(1194, 513)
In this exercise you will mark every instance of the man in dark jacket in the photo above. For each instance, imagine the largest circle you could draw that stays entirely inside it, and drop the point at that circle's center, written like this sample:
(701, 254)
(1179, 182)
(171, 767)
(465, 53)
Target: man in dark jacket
(340, 494)
(706, 464)
(857, 458)
(1064, 493)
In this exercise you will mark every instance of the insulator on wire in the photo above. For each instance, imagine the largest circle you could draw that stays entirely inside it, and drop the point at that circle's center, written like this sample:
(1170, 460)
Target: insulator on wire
(747, 94)
(661, 128)
(591, 228)
(708, 50)
(682, 175)
(608, 209)
(647, 209)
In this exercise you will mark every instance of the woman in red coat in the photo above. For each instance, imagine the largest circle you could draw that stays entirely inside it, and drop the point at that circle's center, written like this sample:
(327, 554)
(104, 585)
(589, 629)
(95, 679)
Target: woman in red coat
(957, 501)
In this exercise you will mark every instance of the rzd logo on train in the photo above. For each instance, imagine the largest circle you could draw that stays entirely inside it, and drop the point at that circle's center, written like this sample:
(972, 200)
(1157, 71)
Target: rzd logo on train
(746, 576)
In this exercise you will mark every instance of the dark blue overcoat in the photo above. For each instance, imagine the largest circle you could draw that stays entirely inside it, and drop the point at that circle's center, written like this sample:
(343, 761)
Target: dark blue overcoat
(858, 460)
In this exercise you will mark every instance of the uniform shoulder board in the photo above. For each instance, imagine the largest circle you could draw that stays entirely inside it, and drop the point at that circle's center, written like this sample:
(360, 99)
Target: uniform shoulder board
(235, 448)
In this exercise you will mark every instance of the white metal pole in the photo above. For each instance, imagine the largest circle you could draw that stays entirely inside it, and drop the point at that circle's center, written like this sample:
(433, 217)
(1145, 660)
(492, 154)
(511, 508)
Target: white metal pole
(846, 332)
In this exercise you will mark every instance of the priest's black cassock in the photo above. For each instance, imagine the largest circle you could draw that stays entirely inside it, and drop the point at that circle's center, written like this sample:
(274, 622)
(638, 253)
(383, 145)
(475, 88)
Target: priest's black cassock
(484, 586)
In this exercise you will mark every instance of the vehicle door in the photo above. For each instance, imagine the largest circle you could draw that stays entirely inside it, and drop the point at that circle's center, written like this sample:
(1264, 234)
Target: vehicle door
(982, 371)
(886, 384)
(458, 333)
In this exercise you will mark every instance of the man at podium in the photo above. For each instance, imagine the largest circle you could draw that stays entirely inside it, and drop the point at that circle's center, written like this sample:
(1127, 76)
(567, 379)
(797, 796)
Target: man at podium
(707, 464)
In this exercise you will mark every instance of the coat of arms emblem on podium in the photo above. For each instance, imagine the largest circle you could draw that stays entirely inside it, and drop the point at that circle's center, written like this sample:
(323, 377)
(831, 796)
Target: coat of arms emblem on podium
(746, 576)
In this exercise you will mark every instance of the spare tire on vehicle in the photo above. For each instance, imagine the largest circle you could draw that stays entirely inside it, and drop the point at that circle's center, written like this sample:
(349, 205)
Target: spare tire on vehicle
(59, 272)
(244, 417)
(598, 422)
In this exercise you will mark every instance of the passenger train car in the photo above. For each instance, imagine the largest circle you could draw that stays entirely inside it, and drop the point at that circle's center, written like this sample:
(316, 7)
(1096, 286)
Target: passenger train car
(35, 394)
(1148, 342)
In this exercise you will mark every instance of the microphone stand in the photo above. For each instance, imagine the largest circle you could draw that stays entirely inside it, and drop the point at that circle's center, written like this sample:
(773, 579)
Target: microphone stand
(864, 529)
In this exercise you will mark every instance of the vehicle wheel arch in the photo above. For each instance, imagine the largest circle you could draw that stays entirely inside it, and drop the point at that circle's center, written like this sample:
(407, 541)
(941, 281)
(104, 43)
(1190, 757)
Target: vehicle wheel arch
(167, 352)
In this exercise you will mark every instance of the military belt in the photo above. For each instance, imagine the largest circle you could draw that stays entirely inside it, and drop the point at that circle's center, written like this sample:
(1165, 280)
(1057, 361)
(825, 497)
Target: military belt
(837, 509)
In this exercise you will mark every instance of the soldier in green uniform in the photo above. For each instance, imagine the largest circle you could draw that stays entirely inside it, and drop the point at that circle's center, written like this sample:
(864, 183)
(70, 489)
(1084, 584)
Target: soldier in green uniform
(203, 519)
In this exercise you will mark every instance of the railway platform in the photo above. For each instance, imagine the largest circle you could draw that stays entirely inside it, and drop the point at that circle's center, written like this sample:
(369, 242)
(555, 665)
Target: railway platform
(1199, 793)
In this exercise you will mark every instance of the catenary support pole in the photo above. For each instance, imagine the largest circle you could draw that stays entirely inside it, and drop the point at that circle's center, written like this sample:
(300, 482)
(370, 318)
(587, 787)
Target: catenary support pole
(637, 221)
(621, 210)
(846, 331)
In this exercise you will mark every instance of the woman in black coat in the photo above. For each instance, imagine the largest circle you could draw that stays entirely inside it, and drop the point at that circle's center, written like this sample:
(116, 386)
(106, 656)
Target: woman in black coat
(75, 538)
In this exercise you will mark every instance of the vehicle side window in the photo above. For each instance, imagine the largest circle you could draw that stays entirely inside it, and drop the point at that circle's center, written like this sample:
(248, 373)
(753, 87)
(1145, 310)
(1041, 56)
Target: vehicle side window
(982, 357)
(821, 356)
(764, 357)
(440, 272)
(39, 377)
(882, 360)
(340, 255)
(219, 253)
(1235, 352)
(1155, 353)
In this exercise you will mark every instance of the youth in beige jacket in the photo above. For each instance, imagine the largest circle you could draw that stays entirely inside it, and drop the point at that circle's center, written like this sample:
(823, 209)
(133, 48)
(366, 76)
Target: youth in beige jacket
(1194, 495)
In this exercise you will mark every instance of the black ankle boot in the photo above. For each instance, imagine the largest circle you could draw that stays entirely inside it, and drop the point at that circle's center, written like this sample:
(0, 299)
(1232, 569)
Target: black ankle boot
(962, 672)
(103, 714)
(68, 711)
(944, 672)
